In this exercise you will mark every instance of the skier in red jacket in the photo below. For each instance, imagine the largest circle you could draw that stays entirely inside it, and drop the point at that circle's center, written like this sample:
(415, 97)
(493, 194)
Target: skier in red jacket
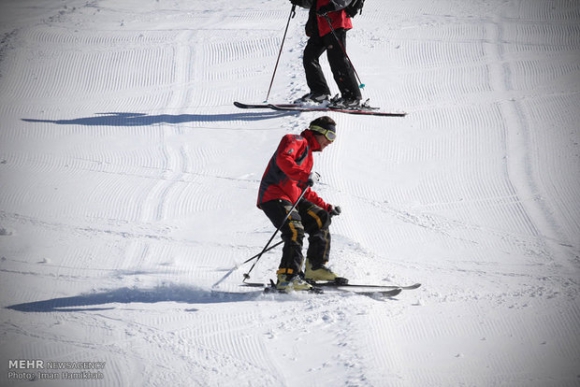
(322, 15)
(288, 173)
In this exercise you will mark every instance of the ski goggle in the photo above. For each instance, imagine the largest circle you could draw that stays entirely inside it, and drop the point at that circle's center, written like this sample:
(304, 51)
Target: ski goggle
(329, 134)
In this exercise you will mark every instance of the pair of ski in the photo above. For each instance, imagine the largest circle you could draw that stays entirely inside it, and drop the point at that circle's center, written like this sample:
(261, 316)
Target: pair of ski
(386, 291)
(364, 109)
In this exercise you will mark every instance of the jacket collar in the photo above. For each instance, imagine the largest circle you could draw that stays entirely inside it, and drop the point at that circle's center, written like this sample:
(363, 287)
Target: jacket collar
(312, 141)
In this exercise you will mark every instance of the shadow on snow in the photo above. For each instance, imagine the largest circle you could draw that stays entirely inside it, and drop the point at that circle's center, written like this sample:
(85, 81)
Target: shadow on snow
(142, 119)
(171, 293)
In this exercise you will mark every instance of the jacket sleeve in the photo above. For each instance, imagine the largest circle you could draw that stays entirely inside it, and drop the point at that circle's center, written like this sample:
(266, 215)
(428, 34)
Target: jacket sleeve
(288, 150)
(313, 197)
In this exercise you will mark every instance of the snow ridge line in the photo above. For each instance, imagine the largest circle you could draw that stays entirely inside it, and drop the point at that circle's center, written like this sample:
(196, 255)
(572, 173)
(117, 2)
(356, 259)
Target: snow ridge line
(517, 137)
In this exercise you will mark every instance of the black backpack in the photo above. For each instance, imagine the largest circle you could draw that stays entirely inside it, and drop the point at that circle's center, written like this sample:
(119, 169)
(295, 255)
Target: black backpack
(355, 8)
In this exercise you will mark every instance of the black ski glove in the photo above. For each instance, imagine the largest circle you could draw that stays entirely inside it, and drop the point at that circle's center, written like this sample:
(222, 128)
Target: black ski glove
(335, 210)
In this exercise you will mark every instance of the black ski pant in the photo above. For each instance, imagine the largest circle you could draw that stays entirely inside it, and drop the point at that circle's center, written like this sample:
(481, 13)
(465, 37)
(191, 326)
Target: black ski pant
(340, 66)
(305, 218)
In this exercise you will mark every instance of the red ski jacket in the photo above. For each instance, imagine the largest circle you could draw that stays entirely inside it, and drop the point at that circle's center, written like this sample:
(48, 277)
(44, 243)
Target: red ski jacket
(288, 170)
(339, 19)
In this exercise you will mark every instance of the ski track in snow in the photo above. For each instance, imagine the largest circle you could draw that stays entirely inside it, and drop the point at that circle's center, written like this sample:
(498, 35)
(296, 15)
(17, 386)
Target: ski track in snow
(128, 184)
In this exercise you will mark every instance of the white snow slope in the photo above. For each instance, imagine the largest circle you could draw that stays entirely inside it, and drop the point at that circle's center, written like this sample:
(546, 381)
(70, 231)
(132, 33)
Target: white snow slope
(128, 187)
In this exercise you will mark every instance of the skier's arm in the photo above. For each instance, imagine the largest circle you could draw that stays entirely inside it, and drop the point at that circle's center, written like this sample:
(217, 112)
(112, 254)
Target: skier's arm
(286, 160)
(313, 197)
(288, 150)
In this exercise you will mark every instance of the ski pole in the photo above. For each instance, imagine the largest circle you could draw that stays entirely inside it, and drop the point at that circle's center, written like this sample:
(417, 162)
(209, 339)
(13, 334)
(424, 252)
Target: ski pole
(291, 16)
(257, 255)
(361, 85)
(247, 275)
(264, 250)
(246, 261)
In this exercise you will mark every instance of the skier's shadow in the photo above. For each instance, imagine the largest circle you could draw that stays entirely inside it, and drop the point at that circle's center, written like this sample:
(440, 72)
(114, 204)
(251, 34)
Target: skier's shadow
(104, 300)
(142, 119)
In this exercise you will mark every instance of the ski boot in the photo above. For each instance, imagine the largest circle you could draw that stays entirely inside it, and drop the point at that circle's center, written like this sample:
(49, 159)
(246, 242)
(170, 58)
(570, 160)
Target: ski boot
(310, 98)
(287, 283)
(321, 273)
(345, 103)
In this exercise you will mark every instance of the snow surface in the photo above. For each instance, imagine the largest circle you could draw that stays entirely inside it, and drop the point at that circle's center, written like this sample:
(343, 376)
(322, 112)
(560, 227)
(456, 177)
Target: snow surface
(128, 186)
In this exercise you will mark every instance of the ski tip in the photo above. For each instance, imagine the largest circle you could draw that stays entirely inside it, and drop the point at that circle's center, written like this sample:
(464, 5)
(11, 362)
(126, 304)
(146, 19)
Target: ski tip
(394, 292)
